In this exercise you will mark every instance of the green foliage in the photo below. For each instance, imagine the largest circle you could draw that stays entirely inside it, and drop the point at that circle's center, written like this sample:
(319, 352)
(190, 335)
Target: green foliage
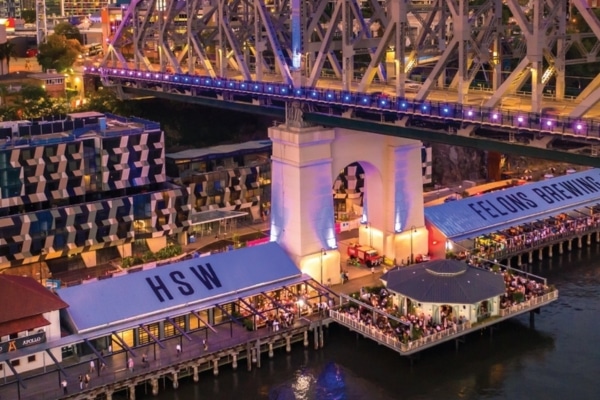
(58, 53)
(28, 16)
(163, 254)
(69, 31)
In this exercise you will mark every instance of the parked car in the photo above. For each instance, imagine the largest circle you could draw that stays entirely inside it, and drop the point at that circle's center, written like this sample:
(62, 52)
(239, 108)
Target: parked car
(31, 53)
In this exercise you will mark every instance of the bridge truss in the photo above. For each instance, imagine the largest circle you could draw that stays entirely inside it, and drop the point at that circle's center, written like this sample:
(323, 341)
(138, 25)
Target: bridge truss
(365, 45)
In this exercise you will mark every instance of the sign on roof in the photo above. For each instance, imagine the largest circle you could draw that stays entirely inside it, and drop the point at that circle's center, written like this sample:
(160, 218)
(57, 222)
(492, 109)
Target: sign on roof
(481, 214)
(201, 281)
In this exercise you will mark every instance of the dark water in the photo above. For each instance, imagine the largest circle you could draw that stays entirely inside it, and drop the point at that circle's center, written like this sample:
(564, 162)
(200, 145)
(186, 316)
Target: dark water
(559, 359)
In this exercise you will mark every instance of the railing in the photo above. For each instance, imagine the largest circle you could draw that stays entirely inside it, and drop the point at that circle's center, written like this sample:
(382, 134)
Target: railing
(547, 241)
(444, 111)
(529, 304)
(456, 330)
(393, 342)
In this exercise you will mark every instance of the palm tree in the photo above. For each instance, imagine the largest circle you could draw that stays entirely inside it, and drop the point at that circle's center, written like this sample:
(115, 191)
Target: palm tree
(7, 50)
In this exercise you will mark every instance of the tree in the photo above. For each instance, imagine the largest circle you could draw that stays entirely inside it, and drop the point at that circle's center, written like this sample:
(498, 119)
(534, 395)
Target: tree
(28, 16)
(69, 31)
(58, 53)
(7, 50)
(33, 101)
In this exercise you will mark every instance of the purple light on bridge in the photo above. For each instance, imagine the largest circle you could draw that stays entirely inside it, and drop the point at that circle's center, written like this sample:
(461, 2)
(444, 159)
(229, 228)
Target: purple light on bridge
(495, 116)
(579, 126)
(548, 123)
(470, 113)
(139, 74)
(446, 110)
(424, 107)
(520, 120)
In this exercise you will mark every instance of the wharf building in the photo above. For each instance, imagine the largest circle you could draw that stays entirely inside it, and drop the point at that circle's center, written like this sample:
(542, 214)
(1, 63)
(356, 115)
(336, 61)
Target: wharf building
(78, 189)
(517, 222)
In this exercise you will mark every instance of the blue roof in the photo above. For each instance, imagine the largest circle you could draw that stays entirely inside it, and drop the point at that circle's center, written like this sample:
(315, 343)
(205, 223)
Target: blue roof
(482, 214)
(445, 282)
(178, 288)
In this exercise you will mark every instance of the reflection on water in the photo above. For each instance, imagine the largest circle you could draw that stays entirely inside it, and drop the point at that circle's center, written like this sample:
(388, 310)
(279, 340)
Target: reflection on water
(559, 359)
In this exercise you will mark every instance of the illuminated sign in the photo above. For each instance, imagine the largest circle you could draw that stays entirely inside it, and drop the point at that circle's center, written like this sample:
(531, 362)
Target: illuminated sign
(22, 342)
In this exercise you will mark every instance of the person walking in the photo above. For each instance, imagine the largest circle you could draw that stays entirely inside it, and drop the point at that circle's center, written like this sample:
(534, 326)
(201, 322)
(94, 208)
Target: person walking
(86, 380)
(130, 364)
(178, 349)
(92, 366)
(80, 382)
(64, 384)
(205, 344)
(144, 360)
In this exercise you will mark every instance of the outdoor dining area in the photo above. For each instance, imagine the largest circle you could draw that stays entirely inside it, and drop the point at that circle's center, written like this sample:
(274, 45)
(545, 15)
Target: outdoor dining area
(532, 234)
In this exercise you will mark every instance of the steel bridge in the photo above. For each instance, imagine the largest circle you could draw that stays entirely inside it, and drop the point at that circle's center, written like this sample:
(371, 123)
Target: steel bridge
(349, 63)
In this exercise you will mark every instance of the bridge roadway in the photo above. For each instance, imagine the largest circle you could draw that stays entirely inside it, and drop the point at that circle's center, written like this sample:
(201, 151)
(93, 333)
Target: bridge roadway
(507, 130)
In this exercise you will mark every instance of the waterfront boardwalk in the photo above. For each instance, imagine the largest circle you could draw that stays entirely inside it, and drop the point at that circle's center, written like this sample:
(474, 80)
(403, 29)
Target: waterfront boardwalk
(228, 344)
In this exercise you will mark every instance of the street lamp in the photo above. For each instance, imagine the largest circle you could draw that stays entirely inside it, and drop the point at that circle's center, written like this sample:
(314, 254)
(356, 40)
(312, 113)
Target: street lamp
(323, 253)
(413, 229)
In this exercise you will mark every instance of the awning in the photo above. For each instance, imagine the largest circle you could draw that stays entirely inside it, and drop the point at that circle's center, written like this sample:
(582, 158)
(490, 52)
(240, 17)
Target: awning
(205, 217)
(23, 324)
(491, 212)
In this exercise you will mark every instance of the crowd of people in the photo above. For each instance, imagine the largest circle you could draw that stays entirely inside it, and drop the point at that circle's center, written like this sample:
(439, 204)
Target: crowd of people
(376, 308)
(530, 235)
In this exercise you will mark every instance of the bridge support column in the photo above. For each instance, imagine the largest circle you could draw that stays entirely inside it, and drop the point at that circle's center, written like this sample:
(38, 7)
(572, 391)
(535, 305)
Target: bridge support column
(234, 362)
(288, 344)
(302, 216)
(569, 244)
(530, 259)
(305, 338)
(154, 385)
(270, 350)
(308, 159)
(560, 248)
(175, 380)
(550, 251)
(518, 257)
(108, 393)
(215, 367)
(316, 337)
(579, 242)
(195, 376)
(541, 254)
(589, 239)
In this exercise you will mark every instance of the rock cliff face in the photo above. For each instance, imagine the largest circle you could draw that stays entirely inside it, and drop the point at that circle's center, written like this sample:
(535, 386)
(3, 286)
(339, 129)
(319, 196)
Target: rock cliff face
(452, 164)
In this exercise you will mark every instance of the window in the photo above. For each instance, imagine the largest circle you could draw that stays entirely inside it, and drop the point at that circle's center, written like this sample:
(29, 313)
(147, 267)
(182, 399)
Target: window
(15, 363)
(31, 359)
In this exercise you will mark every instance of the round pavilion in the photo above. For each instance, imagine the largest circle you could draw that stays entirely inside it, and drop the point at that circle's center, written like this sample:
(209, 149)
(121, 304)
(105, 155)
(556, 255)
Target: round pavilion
(446, 289)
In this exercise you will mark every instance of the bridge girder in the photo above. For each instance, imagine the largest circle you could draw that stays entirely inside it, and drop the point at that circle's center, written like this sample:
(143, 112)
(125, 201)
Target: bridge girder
(363, 45)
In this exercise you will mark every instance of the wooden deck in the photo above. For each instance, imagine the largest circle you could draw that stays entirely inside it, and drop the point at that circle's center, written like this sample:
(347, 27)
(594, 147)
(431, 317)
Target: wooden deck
(229, 340)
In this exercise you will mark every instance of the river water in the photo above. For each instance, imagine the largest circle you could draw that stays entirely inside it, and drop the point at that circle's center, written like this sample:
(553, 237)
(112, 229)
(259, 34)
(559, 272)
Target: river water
(559, 359)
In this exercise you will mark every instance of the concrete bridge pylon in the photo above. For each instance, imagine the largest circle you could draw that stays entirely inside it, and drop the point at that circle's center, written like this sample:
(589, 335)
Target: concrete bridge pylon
(305, 163)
